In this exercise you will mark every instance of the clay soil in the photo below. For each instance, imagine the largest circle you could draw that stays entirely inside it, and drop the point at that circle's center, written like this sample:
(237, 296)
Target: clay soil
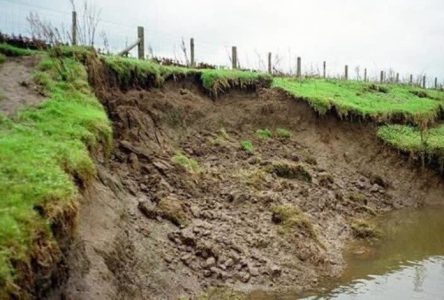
(150, 229)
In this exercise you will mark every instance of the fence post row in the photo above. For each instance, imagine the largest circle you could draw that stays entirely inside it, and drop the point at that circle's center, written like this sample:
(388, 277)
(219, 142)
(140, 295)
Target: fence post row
(234, 57)
(74, 29)
(141, 55)
(141, 44)
(298, 70)
(270, 71)
(324, 69)
(192, 62)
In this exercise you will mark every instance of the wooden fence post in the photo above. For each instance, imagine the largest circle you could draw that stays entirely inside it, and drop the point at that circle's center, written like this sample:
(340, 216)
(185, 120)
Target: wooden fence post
(324, 69)
(411, 79)
(234, 57)
(436, 83)
(424, 82)
(397, 77)
(299, 68)
(346, 72)
(270, 71)
(365, 75)
(74, 29)
(141, 44)
(381, 79)
(192, 61)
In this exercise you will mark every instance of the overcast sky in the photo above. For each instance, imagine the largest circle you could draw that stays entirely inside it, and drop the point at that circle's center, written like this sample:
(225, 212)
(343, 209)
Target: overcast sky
(405, 35)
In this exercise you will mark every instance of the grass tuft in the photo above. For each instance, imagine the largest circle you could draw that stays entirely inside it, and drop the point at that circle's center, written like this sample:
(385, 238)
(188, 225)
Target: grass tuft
(264, 134)
(189, 164)
(290, 170)
(363, 229)
(283, 133)
(247, 146)
(291, 217)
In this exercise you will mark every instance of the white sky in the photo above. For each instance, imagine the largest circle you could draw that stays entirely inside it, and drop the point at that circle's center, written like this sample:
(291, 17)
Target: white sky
(405, 35)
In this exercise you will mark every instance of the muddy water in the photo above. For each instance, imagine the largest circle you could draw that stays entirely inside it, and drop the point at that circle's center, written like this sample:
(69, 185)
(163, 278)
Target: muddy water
(408, 263)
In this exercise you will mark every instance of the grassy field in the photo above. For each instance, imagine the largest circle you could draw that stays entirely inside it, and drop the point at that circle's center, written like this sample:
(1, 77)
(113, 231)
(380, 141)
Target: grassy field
(370, 101)
(41, 150)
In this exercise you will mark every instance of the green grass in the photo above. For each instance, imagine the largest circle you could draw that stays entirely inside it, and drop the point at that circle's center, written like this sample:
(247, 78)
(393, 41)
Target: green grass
(189, 164)
(220, 80)
(264, 134)
(283, 133)
(2, 58)
(366, 100)
(41, 151)
(10, 50)
(132, 71)
(247, 146)
(412, 139)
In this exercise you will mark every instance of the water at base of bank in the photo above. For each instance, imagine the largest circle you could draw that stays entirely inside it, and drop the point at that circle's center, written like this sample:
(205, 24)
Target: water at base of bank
(407, 263)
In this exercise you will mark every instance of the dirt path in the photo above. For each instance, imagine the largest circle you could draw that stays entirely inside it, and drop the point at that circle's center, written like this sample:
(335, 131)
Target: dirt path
(150, 230)
(17, 88)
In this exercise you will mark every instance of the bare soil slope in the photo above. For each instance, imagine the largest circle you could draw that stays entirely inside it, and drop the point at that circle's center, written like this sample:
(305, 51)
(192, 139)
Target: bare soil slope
(17, 88)
(149, 229)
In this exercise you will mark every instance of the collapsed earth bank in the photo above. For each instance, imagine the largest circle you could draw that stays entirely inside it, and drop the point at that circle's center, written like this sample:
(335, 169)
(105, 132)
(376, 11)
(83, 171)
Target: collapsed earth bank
(251, 190)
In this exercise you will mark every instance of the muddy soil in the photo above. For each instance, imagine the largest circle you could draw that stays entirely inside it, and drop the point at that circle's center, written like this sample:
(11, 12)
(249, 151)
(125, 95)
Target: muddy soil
(150, 229)
(17, 89)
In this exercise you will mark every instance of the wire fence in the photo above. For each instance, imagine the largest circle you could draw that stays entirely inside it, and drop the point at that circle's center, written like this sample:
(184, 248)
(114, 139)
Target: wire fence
(115, 35)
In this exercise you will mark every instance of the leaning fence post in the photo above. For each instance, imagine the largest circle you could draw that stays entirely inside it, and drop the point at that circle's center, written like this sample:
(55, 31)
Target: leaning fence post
(192, 52)
(381, 79)
(74, 29)
(324, 69)
(298, 69)
(365, 74)
(424, 82)
(234, 57)
(141, 44)
(270, 71)
(346, 72)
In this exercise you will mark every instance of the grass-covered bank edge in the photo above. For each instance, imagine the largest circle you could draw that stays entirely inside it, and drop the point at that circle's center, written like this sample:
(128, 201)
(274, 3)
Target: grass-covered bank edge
(426, 145)
(379, 103)
(43, 151)
(130, 72)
